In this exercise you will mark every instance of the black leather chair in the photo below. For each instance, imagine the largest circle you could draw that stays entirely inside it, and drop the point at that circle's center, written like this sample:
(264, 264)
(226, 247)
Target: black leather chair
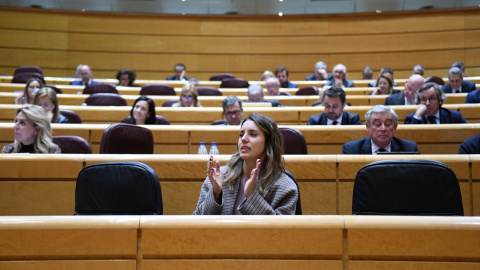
(234, 83)
(436, 80)
(28, 69)
(157, 90)
(24, 77)
(169, 103)
(298, 209)
(407, 187)
(72, 144)
(221, 76)
(307, 91)
(293, 141)
(99, 88)
(72, 116)
(208, 91)
(123, 138)
(159, 120)
(118, 188)
(105, 99)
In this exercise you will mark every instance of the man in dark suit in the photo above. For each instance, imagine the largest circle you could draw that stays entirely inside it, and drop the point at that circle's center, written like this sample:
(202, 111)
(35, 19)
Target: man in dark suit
(85, 72)
(473, 97)
(180, 71)
(334, 100)
(255, 94)
(381, 122)
(339, 77)
(456, 83)
(320, 73)
(430, 98)
(408, 95)
(470, 146)
(232, 110)
(282, 76)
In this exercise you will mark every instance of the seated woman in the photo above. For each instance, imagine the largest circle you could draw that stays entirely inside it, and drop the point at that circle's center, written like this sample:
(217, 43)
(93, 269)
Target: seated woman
(31, 87)
(188, 97)
(46, 98)
(254, 181)
(32, 133)
(143, 111)
(384, 86)
(126, 77)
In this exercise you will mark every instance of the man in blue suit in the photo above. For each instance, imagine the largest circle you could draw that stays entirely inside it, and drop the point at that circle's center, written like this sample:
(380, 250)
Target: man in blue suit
(85, 72)
(430, 98)
(180, 71)
(320, 73)
(457, 84)
(381, 122)
(282, 76)
(334, 100)
(473, 97)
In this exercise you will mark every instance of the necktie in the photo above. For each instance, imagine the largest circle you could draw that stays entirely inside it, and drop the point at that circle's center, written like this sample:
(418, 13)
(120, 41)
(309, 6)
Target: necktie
(334, 123)
(457, 91)
(381, 150)
(432, 119)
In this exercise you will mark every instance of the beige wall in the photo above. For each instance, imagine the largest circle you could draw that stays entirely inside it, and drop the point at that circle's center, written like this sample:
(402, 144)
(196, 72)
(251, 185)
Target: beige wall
(243, 45)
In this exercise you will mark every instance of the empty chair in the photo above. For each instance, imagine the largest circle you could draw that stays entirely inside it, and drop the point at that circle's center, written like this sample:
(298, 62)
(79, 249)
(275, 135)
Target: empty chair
(57, 90)
(298, 208)
(169, 103)
(23, 77)
(28, 69)
(435, 79)
(307, 91)
(72, 116)
(105, 99)
(118, 188)
(72, 144)
(406, 187)
(99, 88)
(234, 83)
(208, 91)
(159, 120)
(124, 138)
(221, 76)
(293, 141)
(157, 89)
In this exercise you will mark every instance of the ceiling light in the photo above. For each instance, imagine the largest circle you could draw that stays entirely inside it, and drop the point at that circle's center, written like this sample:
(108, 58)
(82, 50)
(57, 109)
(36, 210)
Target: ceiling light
(280, 13)
(378, 11)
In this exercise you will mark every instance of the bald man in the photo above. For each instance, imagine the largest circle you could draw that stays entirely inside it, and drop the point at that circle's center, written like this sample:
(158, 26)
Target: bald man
(407, 97)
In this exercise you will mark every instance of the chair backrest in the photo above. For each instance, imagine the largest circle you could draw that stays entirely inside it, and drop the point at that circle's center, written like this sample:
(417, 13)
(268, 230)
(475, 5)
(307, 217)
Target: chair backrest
(307, 91)
(159, 120)
(208, 91)
(234, 83)
(406, 187)
(72, 144)
(298, 209)
(28, 69)
(72, 116)
(24, 77)
(121, 138)
(221, 76)
(169, 103)
(293, 141)
(158, 90)
(99, 88)
(105, 99)
(118, 188)
(54, 87)
(219, 122)
(436, 80)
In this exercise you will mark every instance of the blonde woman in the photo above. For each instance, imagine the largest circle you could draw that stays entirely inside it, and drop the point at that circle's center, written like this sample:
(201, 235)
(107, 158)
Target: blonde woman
(32, 133)
(188, 97)
(46, 98)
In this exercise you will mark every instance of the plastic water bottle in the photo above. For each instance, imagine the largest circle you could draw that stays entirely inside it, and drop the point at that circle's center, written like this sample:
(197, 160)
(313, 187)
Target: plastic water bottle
(213, 149)
(202, 150)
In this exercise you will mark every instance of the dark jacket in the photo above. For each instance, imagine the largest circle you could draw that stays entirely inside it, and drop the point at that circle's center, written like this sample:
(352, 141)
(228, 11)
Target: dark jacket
(347, 119)
(470, 146)
(466, 87)
(446, 117)
(364, 146)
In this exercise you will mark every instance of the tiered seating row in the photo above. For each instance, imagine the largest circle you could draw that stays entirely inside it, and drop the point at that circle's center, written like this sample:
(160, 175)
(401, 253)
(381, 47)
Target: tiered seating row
(239, 242)
(45, 185)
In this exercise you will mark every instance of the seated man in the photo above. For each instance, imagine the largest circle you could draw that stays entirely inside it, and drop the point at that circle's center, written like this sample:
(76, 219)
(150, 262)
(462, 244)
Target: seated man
(320, 73)
(430, 98)
(407, 97)
(282, 76)
(339, 77)
(470, 146)
(334, 100)
(367, 73)
(255, 94)
(232, 110)
(456, 83)
(273, 87)
(85, 72)
(473, 97)
(381, 122)
(180, 71)
(419, 69)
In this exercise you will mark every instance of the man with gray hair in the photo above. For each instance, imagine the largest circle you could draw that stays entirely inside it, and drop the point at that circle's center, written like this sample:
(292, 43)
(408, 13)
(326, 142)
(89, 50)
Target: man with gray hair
(255, 94)
(381, 122)
(320, 73)
(232, 110)
(419, 69)
(85, 73)
(456, 83)
(339, 77)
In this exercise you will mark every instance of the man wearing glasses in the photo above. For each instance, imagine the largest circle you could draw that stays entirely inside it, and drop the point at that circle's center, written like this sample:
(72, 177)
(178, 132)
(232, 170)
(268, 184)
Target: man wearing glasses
(430, 98)
(273, 87)
(232, 110)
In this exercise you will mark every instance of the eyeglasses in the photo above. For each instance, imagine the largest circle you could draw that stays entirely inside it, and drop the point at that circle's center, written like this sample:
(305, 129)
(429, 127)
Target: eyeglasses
(272, 86)
(186, 97)
(46, 105)
(431, 100)
(233, 113)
